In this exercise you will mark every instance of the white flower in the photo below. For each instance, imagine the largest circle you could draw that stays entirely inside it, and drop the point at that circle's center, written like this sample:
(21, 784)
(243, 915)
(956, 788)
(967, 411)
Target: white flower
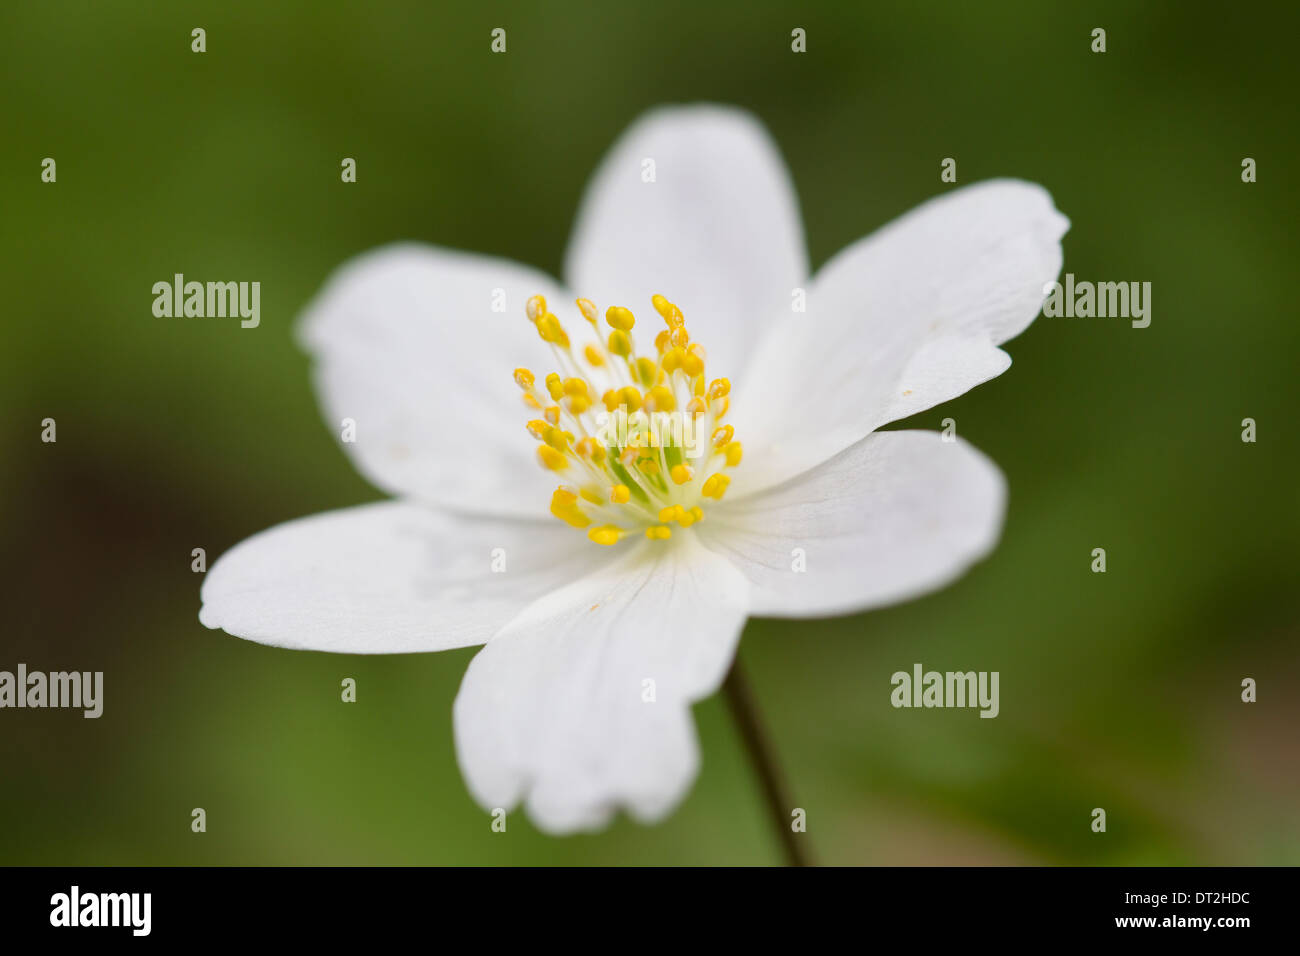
(824, 516)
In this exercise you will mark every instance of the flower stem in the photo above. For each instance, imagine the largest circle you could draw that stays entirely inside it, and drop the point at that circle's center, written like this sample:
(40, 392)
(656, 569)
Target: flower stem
(744, 710)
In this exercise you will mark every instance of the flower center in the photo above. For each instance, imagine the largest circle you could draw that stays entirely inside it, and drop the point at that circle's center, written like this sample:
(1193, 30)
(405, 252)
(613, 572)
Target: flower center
(652, 449)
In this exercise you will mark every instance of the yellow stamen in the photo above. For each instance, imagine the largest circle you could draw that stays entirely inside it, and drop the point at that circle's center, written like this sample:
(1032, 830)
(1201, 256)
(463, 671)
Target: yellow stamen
(715, 486)
(628, 397)
(549, 328)
(693, 362)
(637, 463)
(606, 534)
(535, 307)
(659, 399)
(620, 318)
(552, 459)
(620, 343)
(590, 449)
(647, 373)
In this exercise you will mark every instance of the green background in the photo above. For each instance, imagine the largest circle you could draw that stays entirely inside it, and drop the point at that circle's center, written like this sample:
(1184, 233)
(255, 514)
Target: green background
(1118, 690)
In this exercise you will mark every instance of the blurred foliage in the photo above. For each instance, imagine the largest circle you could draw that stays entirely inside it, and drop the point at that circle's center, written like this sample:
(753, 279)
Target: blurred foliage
(1118, 690)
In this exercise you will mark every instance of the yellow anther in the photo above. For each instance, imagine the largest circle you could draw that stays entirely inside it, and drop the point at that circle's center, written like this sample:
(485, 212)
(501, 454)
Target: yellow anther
(679, 337)
(531, 402)
(575, 386)
(671, 314)
(555, 438)
(555, 386)
(552, 414)
(696, 407)
(577, 404)
(673, 359)
(549, 328)
(693, 363)
(552, 459)
(697, 513)
(610, 398)
(535, 307)
(620, 343)
(570, 514)
(647, 373)
(605, 534)
(668, 514)
(630, 397)
(537, 428)
(590, 449)
(648, 466)
(563, 497)
(718, 388)
(658, 532)
(588, 310)
(662, 341)
(620, 318)
(620, 494)
(698, 386)
(594, 356)
(686, 518)
(734, 453)
(591, 493)
(715, 486)
(659, 399)
(524, 378)
(680, 474)
(722, 435)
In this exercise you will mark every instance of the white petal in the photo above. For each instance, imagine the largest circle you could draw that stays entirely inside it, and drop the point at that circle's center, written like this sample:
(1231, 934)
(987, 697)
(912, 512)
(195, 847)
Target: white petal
(388, 578)
(717, 231)
(552, 710)
(408, 346)
(898, 514)
(898, 322)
